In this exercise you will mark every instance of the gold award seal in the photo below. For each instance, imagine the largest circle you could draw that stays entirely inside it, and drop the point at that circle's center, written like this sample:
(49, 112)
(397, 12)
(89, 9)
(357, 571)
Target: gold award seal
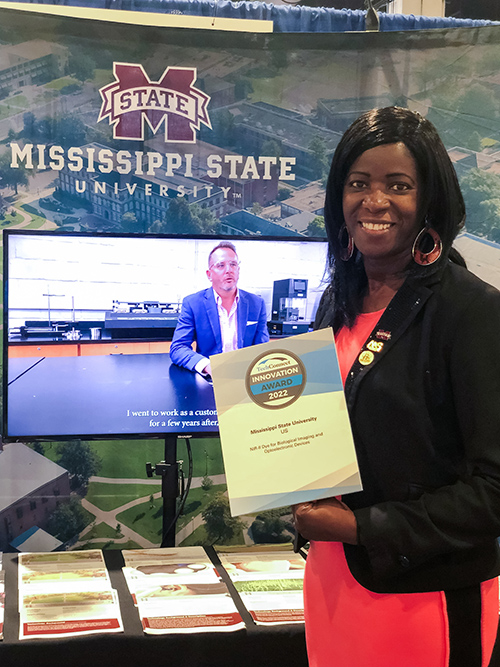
(275, 379)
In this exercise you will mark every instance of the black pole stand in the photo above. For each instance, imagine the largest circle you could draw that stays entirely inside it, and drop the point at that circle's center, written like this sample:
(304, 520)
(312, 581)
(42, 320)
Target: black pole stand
(168, 470)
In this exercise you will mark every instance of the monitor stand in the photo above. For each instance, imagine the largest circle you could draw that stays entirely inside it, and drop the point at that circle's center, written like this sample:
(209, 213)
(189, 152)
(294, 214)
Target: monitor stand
(168, 470)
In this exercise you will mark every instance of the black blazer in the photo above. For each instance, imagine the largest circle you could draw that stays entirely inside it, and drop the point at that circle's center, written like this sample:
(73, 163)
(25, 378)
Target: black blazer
(425, 413)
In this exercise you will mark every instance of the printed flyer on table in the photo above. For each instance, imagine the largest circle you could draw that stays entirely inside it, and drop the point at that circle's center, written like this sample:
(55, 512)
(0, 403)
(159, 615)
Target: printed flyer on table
(269, 583)
(66, 594)
(178, 590)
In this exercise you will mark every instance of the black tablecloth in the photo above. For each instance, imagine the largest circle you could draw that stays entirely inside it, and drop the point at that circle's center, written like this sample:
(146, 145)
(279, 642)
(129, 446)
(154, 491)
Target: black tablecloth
(256, 646)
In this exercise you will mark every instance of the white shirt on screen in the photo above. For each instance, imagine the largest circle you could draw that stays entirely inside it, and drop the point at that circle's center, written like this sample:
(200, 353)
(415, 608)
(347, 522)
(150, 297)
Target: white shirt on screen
(228, 328)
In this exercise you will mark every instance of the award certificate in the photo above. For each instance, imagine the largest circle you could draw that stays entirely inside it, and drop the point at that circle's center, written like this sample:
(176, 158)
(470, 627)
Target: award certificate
(284, 427)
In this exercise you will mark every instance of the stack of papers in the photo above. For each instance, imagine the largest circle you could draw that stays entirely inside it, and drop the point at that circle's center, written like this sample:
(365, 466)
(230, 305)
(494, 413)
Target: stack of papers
(66, 593)
(179, 590)
(269, 584)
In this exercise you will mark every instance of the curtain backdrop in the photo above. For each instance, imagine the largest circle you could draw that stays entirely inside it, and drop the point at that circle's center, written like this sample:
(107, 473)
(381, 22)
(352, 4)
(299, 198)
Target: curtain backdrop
(285, 18)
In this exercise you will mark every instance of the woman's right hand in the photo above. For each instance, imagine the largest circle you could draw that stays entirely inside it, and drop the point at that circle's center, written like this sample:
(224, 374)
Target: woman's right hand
(326, 520)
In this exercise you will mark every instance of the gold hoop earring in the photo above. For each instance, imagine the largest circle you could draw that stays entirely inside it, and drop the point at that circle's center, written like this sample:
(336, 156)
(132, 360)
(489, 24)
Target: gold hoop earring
(346, 251)
(419, 254)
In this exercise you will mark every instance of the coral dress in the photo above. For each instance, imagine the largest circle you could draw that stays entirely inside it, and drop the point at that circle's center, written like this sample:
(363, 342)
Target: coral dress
(350, 626)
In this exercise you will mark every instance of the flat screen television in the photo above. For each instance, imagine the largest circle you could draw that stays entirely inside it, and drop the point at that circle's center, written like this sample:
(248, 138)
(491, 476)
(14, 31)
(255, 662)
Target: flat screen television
(88, 320)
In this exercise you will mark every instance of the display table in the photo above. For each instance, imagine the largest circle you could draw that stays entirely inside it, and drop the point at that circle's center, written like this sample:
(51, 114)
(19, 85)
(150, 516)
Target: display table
(256, 646)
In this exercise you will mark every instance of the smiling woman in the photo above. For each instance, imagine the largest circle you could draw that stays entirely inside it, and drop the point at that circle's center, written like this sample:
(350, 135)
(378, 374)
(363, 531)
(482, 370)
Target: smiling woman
(413, 559)
(380, 207)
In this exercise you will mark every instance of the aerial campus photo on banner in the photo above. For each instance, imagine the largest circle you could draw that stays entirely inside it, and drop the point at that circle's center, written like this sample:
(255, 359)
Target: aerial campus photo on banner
(122, 129)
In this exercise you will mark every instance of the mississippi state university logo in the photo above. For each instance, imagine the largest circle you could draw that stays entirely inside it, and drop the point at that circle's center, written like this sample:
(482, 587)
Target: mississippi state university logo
(133, 99)
(275, 379)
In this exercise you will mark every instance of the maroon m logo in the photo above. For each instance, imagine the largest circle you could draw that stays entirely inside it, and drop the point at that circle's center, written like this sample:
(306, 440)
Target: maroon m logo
(133, 99)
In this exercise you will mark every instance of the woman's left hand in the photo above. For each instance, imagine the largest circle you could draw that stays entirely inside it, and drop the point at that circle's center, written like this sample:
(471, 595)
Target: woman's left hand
(326, 520)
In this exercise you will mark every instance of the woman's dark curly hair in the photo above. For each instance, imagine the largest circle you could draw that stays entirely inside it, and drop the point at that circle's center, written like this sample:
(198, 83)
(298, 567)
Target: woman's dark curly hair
(440, 201)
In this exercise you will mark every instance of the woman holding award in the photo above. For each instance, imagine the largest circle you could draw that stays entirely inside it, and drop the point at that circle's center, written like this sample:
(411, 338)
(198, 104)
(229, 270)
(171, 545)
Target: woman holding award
(405, 572)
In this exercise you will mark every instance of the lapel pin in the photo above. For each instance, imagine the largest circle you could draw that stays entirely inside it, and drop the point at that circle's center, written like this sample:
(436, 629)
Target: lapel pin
(366, 357)
(375, 346)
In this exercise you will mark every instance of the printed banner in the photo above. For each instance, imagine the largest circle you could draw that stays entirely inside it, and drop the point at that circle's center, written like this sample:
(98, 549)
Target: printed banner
(116, 127)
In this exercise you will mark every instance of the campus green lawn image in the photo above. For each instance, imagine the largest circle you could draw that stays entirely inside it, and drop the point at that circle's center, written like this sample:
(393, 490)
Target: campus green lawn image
(89, 539)
(5, 111)
(126, 458)
(19, 102)
(111, 496)
(199, 536)
(109, 544)
(99, 530)
(11, 220)
(25, 216)
(124, 505)
(59, 84)
(102, 77)
(147, 517)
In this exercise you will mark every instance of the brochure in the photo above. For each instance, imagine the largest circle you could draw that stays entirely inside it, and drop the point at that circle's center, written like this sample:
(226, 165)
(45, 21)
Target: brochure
(284, 426)
(178, 590)
(66, 593)
(269, 584)
(78, 570)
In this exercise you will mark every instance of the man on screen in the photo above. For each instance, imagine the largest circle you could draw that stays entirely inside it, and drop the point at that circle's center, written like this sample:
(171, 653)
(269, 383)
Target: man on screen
(220, 318)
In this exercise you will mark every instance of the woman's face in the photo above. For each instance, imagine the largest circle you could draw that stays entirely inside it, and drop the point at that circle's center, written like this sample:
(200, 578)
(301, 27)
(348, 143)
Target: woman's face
(380, 202)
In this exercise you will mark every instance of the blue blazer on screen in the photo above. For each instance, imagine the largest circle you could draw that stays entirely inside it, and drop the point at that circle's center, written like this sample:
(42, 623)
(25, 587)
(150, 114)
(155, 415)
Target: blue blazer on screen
(199, 321)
